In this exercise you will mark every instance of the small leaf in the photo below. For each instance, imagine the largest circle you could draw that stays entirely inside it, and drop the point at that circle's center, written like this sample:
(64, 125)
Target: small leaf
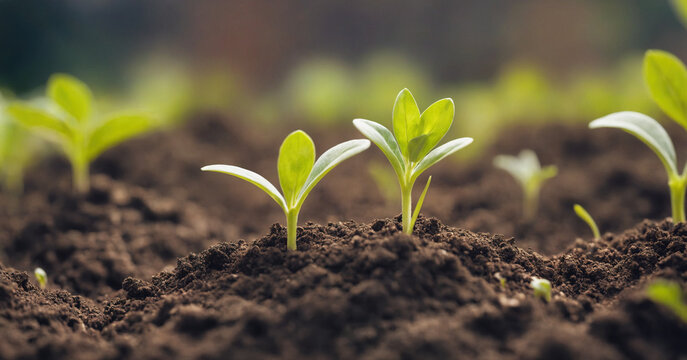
(587, 218)
(115, 129)
(330, 159)
(252, 178)
(405, 118)
(41, 277)
(435, 122)
(385, 140)
(669, 294)
(680, 7)
(71, 94)
(645, 129)
(542, 288)
(666, 77)
(415, 147)
(50, 127)
(420, 201)
(546, 173)
(296, 159)
(439, 154)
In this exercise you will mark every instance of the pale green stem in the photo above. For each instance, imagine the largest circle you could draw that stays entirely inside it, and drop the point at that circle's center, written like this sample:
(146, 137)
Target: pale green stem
(291, 229)
(407, 208)
(530, 203)
(80, 175)
(678, 185)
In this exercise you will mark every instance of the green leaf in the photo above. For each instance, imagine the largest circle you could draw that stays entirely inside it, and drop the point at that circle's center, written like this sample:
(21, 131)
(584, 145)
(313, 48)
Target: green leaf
(115, 129)
(542, 288)
(666, 77)
(587, 218)
(680, 7)
(439, 154)
(669, 294)
(522, 167)
(72, 95)
(435, 122)
(252, 178)
(50, 127)
(385, 140)
(296, 159)
(405, 118)
(330, 159)
(645, 129)
(415, 147)
(420, 201)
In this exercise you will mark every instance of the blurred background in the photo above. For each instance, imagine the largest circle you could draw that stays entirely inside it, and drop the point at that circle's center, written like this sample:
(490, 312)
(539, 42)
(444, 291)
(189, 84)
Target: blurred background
(324, 62)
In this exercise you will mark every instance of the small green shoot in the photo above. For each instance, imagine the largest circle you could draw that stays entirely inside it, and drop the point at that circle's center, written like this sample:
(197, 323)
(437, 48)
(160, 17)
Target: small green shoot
(410, 149)
(527, 170)
(18, 150)
(669, 294)
(70, 121)
(501, 279)
(587, 218)
(542, 288)
(41, 277)
(666, 78)
(298, 174)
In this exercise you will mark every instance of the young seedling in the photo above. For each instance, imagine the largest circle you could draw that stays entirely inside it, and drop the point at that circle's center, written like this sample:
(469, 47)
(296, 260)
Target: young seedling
(542, 288)
(70, 122)
(669, 294)
(527, 170)
(41, 277)
(666, 77)
(298, 174)
(584, 215)
(410, 149)
(17, 151)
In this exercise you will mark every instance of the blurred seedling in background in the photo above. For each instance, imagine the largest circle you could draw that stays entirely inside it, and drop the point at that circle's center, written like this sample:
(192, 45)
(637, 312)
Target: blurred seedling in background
(666, 78)
(680, 7)
(527, 170)
(41, 277)
(70, 121)
(410, 149)
(501, 279)
(385, 179)
(542, 288)
(298, 174)
(670, 295)
(587, 218)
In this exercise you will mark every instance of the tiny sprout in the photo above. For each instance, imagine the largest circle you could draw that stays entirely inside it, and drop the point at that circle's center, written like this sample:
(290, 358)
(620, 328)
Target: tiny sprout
(584, 215)
(410, 149)
(669, 294)
(542, 288)
(69, 121)
(666, 78)
(501, 279)
(41, 277)
(527, 170)
(298, 174)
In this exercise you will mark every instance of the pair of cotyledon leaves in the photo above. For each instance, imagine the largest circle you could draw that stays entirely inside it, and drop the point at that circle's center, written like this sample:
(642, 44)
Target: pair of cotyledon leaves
(525, 167)
(666, 78)
(69, 119)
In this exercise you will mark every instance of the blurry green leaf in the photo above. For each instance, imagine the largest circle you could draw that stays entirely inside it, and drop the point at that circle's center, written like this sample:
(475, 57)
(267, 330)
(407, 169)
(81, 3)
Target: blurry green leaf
(439, 154)
(49, 126)
(386, 142)
(542, 288)
(72, 95)
(406, 117)
(645, 129)
(296, 159)
(252, 178)
(666, 78)
(41, 277)
(435, 122)
(587, 218)
(115, 129)
(669, 294)
(680, 7)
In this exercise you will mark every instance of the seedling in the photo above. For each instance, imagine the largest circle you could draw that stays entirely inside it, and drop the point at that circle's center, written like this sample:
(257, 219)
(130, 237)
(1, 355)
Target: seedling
(584, 215)
(542, 288)
(410, 149)
(41, 277)
(669, 294)
(527, 170)
(666, 77)
(17, 151)
(70, 122)
(501, 279)
(298, 174)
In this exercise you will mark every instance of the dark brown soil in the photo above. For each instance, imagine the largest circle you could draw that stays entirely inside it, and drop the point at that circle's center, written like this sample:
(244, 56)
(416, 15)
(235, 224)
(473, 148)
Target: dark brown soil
(356, 288)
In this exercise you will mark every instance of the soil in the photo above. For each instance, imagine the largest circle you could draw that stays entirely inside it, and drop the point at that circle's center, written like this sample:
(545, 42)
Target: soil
(152, 263)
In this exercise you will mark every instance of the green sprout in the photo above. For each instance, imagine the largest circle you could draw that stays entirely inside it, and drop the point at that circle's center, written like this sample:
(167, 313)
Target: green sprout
(298, 174)
(70, 122)
(666, 78)
(41, 277)
(410, 149)
(501, 279)
(527, 170)
(13, 163)
(587, 218)
(669, 294)
(542, 288)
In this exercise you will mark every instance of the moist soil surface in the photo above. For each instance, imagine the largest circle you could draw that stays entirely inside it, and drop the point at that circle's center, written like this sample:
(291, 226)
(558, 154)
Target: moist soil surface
(160, 260)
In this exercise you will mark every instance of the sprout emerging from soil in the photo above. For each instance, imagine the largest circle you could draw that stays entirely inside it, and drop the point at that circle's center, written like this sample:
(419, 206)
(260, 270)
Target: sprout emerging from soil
(298, 174)
(410, 149)
(41, 277)
(70, 122)
(666, 77)
(669, 294)
(542, 288)
(587, 218)
(527, 170)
